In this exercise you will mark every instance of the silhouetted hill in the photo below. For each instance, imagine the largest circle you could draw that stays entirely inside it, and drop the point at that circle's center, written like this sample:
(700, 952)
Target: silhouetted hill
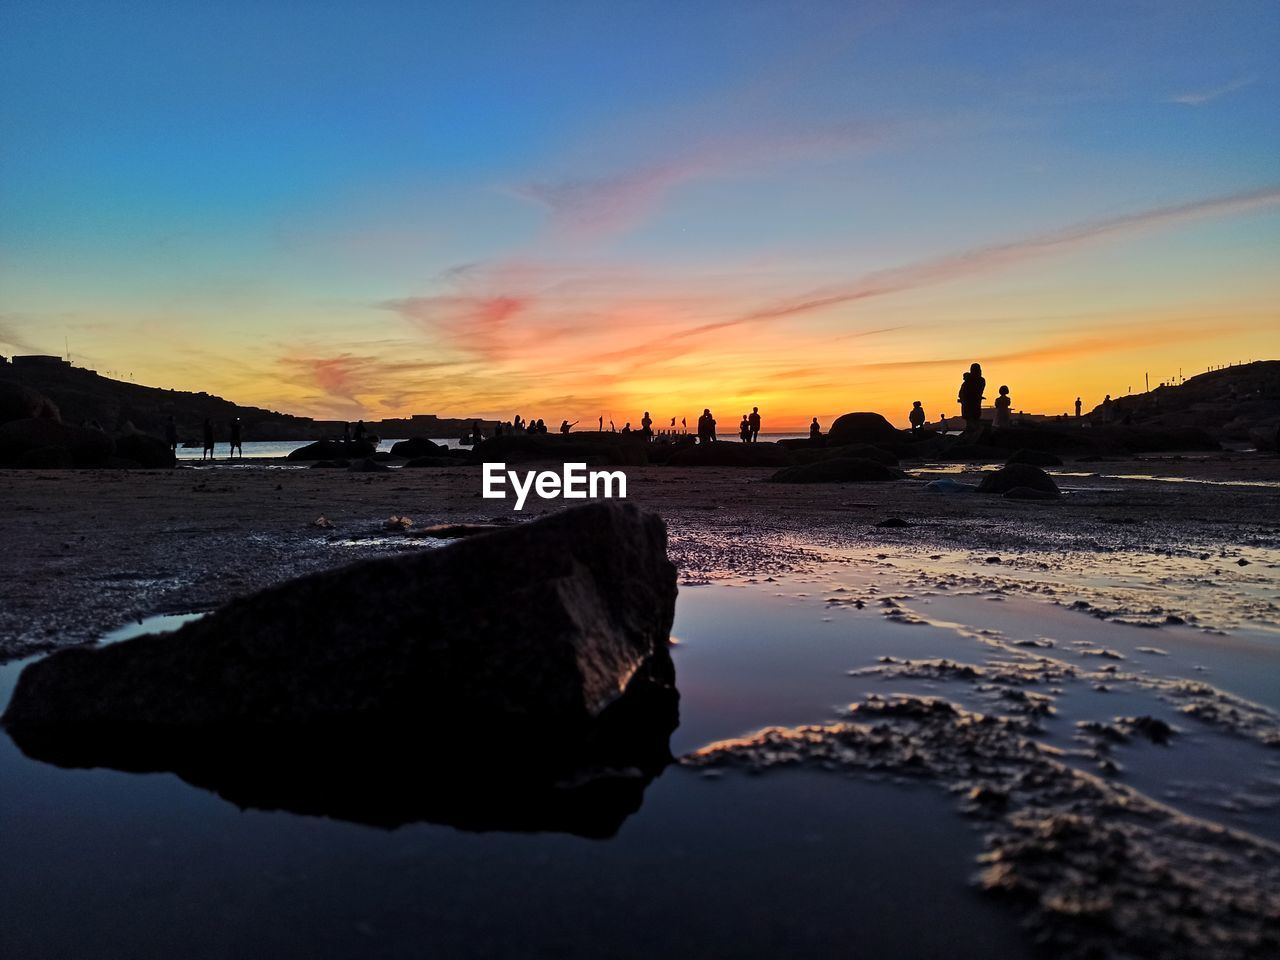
(83, 395)
(1239, 403)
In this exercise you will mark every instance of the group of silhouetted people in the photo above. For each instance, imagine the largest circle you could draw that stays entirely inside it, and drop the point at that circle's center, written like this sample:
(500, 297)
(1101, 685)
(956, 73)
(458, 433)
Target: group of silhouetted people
(208, 441)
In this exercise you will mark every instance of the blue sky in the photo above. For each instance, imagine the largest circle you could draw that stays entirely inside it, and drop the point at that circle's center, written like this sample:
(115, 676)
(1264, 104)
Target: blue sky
(466, 207)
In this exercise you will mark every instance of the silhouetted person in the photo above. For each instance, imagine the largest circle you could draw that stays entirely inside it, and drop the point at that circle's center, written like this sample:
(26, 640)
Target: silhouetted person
(942, 424)
(646, 426)
(601, 425)
(236, 443)
(542, 425)
(566, 426)
(1003, 403)
(208, 439)
(1078, 408)
(358, 434)
(706, 427)
(754, 422)
(1106, 409)
(744, 429)
(626, 427)
(916, 417)
(171, 434)
(815, 431)
(970, 397)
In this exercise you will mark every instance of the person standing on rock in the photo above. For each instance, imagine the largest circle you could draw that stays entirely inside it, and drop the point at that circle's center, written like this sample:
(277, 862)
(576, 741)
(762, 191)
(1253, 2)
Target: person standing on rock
(1078, 405)
(1106, 409)
(235, 439)
(815, 431)
(646, 426)
(566, 426)
(171, 434)
(754, 422)
(970, 397)
(1003, 405)
(208, 440)
(916, 417)
(744, 430)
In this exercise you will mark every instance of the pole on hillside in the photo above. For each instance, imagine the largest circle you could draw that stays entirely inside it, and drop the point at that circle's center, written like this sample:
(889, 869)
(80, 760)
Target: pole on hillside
(1148, 379)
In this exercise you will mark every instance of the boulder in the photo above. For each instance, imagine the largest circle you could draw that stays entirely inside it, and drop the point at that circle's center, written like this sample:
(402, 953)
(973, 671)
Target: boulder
(611, 449)
(1037, 458)
(1016, 475)
(400, 688)
(861, 451)
(1029, 493)
(432, 462)
(730, 453)
(334, 450)
(869, 428)
(416, 447)
(20, 402)
(149, 452)
(852, 470)
(368, 465)
(86, 448)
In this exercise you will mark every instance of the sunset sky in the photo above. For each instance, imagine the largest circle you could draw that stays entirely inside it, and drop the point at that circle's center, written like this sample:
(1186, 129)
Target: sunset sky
(567, 210)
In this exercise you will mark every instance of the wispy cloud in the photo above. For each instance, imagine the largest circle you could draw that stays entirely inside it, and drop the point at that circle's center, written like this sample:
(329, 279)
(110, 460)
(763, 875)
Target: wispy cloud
(607, 204)
(1198, 98)
(996, 256)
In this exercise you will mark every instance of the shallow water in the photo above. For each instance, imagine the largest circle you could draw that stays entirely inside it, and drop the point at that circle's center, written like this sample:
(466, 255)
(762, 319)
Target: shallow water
(795, 863)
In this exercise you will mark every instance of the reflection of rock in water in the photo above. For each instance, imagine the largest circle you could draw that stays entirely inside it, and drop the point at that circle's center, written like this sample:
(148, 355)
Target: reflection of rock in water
(1102, 870)
(519, 679)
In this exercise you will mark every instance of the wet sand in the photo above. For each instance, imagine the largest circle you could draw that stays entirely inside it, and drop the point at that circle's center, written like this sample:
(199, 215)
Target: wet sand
(88, 551)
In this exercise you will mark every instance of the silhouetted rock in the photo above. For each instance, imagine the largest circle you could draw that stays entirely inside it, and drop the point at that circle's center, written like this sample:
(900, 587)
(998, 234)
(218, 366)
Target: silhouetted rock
(368, 465)
(150, 453)
(1030, 493)
(1144, 439)
(20, 402)
(869, 428)
(730, 453)
(416, 447)
(599, 449)
(852, 470)
(87, 448)
(397, 688)
(861, 451)
(1037, 458)
(1017, 475)
(893, 522)
(421, 462)
(334, 450)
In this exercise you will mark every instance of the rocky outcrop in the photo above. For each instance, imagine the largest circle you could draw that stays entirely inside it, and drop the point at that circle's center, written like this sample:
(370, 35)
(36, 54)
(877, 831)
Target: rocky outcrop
(850, 470)
(730, 453)
(599, 449)
(83, 447)
(869, 428)
(335, 450)
(1017, 475)
(416, 447)
(861, 451)
(398, 671)
(20, 402)
(151, 453)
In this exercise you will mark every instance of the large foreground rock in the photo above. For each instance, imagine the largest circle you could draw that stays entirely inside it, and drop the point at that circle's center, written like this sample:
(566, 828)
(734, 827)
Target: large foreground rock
(1016, 475)
(869, 428)
(417, 447)
(851, 470)
(145, 450)
(466, 684)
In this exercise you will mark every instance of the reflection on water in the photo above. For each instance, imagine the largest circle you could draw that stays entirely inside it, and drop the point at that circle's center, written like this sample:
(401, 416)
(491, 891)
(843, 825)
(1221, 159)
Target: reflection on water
(801, 865)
